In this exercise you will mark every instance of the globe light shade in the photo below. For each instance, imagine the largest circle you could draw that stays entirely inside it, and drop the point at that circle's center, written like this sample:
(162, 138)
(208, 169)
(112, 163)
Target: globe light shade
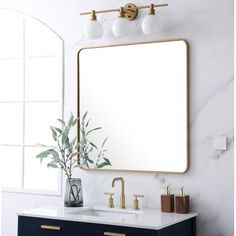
(151, 24)
(93, 30)
(121, 27)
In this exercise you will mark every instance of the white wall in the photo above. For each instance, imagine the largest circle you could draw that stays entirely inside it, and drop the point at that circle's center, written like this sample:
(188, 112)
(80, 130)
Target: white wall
(208, 27)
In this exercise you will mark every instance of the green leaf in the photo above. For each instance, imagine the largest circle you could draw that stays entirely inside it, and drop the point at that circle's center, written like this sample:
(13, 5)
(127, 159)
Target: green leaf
(84, 116)
(54, 161)
(55, 154)
(52, 165)
(54, 133)
(104, 142)
(90, 161)
(74, 154)
(90, 131)
(85, 163)
(70, 122)
(107, 161)
(70, 146)
(103, 164)
(75, 121)
(67, 142)
(64, 136)
(62, 122)
(92, 144)
(87, 123)
(90, 150)
(58, 130)
(77, 146)
(44, 154)
(40, 144)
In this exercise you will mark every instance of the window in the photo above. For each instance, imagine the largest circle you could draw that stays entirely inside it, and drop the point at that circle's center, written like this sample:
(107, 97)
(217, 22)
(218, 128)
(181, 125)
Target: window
(31, 75)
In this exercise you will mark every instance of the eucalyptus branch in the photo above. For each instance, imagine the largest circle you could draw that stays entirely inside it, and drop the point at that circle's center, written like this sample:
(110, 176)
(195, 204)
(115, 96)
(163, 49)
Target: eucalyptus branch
(64, 156)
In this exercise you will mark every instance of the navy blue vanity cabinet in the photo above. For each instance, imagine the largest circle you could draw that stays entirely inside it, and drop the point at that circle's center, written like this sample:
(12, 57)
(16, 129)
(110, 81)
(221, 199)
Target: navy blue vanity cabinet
(31, 226)
(184, 228)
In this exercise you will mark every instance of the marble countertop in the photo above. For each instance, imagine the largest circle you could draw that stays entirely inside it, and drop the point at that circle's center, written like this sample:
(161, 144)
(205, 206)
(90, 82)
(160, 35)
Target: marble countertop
(146, 218)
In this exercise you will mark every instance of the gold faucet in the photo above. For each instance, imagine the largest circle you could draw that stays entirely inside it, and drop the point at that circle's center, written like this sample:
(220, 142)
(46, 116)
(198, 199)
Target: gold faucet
(122, 195)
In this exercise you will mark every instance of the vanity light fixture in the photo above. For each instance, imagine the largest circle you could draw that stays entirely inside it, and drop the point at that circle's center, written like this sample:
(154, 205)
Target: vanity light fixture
(151, 23)
(94, 28)
(121, 26)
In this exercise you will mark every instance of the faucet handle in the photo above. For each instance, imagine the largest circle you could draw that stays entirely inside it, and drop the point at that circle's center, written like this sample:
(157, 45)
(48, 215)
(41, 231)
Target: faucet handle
(110, 199)
(136, 202)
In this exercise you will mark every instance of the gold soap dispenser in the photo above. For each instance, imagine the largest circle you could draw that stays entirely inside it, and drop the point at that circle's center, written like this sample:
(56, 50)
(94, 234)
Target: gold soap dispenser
(167, 201)
(182, 202)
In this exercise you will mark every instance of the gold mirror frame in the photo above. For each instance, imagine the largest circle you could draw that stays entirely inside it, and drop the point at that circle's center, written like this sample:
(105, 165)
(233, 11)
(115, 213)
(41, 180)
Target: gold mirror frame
(187, 105)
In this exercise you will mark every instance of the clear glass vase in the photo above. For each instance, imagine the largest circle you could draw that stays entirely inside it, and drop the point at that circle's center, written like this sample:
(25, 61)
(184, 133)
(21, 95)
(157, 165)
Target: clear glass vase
(73, 193)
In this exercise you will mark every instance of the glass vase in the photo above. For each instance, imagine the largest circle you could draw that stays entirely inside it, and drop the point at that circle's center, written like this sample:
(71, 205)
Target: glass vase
(73, 193)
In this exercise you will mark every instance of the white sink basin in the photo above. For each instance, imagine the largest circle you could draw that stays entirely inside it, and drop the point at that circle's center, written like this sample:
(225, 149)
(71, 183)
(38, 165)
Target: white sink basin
(111, 214)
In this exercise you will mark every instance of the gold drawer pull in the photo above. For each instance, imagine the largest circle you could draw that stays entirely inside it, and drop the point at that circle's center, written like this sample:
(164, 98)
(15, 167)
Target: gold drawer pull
(113, 234)
(51, 227)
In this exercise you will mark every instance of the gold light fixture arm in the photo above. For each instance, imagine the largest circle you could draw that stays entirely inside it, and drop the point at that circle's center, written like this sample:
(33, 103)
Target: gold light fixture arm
(154, 5)
(130, 10)
(101, 11)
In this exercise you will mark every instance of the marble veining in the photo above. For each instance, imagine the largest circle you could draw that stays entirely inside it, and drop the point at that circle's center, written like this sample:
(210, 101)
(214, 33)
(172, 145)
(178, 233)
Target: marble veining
(220, 89)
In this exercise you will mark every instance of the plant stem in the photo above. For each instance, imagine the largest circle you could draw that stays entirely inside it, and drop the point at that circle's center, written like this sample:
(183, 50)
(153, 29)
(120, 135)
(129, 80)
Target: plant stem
(64, 160)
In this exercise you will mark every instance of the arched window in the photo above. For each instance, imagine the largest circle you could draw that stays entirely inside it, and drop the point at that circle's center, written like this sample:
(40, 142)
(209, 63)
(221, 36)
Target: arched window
(31, 79)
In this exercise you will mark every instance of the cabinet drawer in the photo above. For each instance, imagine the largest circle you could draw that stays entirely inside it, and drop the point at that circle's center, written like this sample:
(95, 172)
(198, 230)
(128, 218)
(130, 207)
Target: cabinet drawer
(30, 226)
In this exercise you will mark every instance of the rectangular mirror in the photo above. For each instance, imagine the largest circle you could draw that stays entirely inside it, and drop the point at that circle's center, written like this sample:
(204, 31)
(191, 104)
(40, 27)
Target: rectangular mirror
(138, 94)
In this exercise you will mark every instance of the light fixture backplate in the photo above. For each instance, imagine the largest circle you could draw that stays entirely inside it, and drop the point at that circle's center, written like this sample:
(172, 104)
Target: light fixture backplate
(130, 11)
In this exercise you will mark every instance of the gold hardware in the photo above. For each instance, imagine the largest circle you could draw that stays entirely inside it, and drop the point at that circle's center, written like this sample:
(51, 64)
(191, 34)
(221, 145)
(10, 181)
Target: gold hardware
(187, 93)
(167, 190)
(122, 13)
(113, 234)
(154, 5)
(152, 10)
(182, 192)
(93, 15)
(136, 203)
(122, 195)
(130, 10)
(110, 200)
(51, 227)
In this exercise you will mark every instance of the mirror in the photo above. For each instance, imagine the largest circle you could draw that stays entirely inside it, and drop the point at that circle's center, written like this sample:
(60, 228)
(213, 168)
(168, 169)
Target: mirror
(138, 94)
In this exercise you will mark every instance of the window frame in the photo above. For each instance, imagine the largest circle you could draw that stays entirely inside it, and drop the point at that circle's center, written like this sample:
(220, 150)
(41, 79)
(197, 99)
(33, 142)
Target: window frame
(23, 101)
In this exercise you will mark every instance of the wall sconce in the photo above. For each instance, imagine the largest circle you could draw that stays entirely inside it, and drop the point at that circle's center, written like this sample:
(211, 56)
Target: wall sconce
(94, 28)
(121, 26)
